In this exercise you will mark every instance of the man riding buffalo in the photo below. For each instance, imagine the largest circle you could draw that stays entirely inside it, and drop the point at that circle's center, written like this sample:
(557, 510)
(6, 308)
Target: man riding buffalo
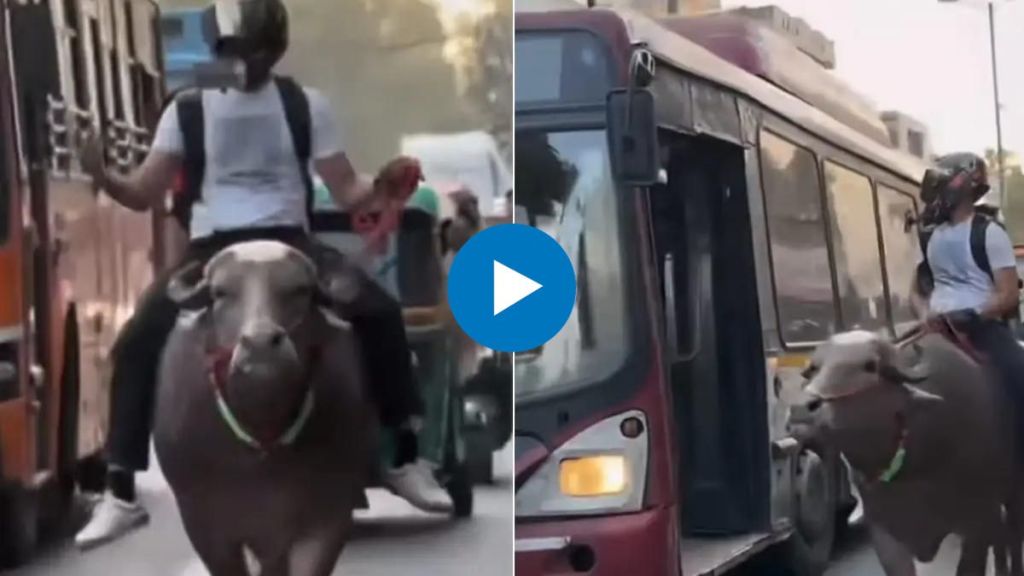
(247, 152)
(930, 424)
(969, 271)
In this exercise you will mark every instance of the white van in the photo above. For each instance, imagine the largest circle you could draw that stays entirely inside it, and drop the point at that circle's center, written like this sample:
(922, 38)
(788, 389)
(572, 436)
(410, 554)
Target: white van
(470, 159)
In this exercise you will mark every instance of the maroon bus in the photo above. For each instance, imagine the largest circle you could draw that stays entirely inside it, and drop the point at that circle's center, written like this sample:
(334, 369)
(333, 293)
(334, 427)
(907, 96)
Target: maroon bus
(723, 219)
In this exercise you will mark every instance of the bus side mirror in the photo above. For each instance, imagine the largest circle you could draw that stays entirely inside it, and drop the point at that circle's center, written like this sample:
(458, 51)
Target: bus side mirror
(633, 136)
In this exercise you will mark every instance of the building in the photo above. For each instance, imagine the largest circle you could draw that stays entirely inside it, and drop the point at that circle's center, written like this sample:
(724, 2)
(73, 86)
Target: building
(908, 134)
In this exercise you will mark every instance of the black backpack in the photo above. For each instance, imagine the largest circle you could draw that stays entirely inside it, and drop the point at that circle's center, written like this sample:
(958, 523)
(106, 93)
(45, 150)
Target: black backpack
(191, 121)
(979, 226)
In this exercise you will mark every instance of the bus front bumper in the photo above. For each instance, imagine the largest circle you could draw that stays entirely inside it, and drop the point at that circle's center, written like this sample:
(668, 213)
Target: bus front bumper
(641, 544)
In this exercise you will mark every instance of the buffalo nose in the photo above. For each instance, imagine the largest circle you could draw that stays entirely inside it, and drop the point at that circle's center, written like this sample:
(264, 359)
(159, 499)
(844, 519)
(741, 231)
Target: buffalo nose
(264, 337)
(804, 408)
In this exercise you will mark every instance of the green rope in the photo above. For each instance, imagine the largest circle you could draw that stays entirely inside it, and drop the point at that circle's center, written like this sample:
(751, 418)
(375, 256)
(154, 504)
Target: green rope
(286, 439)
(895, 465)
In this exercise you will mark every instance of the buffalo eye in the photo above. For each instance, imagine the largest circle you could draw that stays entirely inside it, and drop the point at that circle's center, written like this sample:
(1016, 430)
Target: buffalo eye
(871, 366)
(219, 292)
(296, 294)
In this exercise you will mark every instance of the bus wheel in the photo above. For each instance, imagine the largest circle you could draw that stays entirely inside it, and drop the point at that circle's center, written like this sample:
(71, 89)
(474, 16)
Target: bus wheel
(19, 525)
(480, 457)
(810, 547)
(460, 489)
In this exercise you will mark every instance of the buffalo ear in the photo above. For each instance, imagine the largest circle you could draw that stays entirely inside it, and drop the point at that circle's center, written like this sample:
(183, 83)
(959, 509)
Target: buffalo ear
(901, 375)
(333, 320)
(189, 289)
(892, 367)
(337, 288)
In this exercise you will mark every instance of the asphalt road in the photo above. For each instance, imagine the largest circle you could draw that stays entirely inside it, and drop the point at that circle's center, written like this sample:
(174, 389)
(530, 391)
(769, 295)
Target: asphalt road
(392, 538)
(854, 557)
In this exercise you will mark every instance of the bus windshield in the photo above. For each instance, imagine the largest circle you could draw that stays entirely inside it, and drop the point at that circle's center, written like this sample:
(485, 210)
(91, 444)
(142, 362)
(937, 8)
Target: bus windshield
(564, 187)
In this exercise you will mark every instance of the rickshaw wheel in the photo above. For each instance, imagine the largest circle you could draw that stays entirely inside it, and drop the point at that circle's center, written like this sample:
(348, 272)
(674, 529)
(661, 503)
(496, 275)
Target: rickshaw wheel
(460, 479)
(481, 457)
(460, 488)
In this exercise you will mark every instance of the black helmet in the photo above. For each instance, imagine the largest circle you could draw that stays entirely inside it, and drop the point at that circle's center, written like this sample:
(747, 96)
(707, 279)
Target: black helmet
(954, 178)
(254, 32)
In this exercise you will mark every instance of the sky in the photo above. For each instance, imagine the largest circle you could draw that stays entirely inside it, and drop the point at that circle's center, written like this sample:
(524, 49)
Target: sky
(929, 59)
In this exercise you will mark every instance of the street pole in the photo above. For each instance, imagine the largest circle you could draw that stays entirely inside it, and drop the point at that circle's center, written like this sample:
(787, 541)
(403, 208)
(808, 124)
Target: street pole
(1004, 194)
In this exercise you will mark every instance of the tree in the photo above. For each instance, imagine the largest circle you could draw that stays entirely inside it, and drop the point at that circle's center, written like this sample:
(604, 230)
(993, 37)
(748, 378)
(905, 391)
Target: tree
(1013, 196)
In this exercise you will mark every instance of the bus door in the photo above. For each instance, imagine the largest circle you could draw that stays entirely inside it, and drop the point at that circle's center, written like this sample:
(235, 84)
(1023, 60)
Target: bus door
(702, 237)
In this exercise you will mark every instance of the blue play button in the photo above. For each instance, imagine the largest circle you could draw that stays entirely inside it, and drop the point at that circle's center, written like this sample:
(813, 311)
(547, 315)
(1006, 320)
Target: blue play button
(511, 288)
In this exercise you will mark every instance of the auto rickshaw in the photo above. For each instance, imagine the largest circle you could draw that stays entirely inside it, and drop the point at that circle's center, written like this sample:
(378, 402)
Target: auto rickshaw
(411, 269)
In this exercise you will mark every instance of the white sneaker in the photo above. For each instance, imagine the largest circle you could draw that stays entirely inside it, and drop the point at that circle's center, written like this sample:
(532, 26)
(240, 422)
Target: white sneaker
(416, 484)
(111, 519)
(90, 500)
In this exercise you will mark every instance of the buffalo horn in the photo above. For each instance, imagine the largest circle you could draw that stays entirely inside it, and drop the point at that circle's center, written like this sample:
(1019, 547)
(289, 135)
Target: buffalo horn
(188, 288)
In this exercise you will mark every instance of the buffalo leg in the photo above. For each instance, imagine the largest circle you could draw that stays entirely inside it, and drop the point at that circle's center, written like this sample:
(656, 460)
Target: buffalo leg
(1015, 532)
(221, 559)
(896, 560)
(1000, 555)
(219, 555)
(973, 557)
(318, 554)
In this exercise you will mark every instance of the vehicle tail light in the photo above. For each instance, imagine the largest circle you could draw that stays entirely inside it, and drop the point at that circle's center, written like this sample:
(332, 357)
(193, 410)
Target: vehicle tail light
(601, 470)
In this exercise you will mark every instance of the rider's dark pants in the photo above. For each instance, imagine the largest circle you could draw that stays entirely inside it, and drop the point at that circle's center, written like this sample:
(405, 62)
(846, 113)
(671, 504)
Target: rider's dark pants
(375, 316)
(996, 341)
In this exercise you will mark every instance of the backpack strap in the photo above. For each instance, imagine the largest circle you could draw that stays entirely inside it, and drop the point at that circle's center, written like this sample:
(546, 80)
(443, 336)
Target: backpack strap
(191, 123)
(925, 279)
(979, 226)
(300, 123)
(979, 251)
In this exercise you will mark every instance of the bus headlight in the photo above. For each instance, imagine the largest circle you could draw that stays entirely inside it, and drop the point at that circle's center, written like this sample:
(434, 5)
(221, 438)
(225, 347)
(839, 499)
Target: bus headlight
(592, 476)
(601, 470)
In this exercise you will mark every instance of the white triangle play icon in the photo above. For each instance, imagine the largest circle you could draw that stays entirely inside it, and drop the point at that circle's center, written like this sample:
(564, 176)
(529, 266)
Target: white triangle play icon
(510, 287)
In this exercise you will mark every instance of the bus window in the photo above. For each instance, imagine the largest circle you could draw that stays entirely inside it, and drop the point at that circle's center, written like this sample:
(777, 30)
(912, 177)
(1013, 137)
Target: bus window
(902, 252)
(855, 242)
(796, 230)
(564, 187)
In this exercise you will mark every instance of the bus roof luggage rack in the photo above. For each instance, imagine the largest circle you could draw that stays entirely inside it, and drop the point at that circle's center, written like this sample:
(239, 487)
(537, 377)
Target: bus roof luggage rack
(759, 50)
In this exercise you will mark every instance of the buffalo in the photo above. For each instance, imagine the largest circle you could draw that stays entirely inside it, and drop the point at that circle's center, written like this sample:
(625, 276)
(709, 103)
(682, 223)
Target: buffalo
(929, 436)
(263, 428)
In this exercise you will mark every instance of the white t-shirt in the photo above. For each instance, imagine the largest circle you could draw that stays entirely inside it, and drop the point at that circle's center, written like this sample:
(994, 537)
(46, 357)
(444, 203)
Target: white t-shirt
(959, 283)
(252, 176)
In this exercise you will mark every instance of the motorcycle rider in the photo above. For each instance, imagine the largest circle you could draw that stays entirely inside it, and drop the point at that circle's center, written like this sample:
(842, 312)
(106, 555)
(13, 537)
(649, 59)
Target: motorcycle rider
(253, 186)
